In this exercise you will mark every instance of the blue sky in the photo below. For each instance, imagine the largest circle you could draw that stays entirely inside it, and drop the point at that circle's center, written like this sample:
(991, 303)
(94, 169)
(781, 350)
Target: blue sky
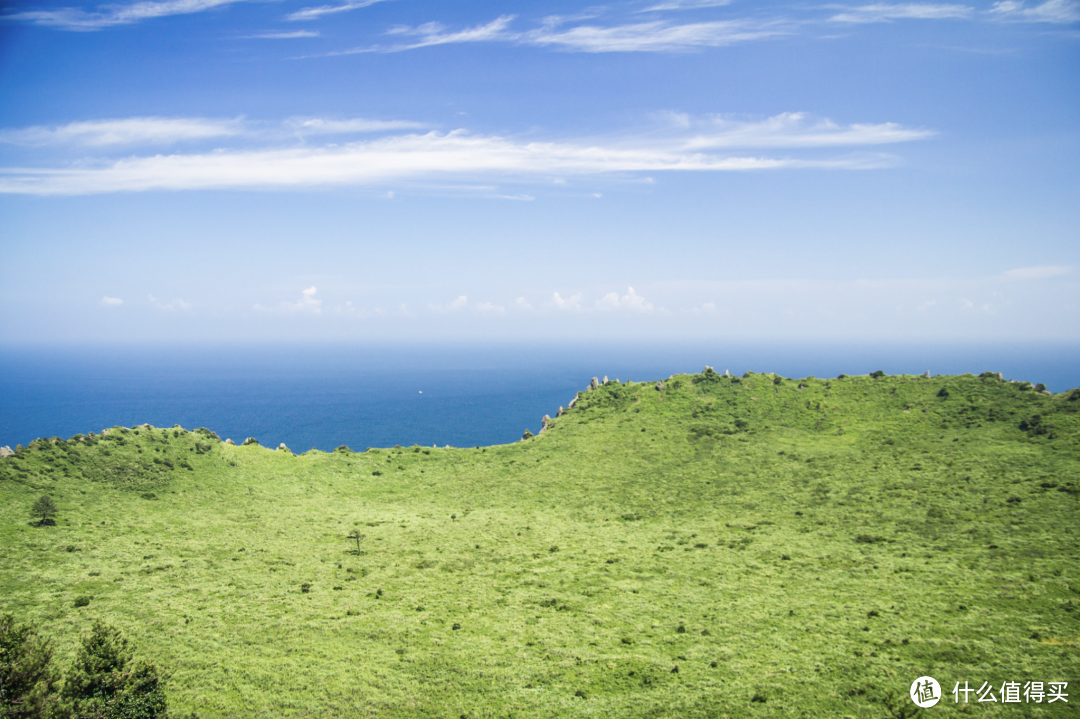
(208, 170)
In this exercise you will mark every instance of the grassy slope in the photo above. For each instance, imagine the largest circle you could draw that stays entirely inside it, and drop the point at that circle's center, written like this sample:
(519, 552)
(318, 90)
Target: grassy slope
(816, 548)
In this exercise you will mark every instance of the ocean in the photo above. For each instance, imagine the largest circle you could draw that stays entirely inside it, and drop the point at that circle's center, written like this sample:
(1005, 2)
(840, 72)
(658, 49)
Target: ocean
(380, 396)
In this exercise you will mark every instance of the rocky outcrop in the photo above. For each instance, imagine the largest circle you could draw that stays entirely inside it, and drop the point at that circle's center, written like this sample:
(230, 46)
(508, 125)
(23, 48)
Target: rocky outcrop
(594, 384)
(544, 423)
(5, 452)
(726, 373)
(1001, 377)
(660, 384)
(605, 379)
(230, 442)
(560, 412)
(571, 405)
(282, 447)
(249, 440)
(926, 374)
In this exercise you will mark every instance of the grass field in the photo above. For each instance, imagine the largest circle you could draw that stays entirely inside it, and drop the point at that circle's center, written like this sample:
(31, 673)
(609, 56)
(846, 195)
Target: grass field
(724, 546)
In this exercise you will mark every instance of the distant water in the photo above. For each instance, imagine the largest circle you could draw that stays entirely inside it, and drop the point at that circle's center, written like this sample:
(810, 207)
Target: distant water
(463, 396)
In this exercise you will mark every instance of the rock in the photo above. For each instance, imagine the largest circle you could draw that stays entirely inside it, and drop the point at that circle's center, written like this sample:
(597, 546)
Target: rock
(660, 385)
(282, 446)
(560, 412)
(926, 375)
(249, 440)
(545, 421)
(1047, 392)
(594, 384)
(726, 373)
(605, 379)
(5, 452)
(573, 400)
(1000, 377)
(230, 442)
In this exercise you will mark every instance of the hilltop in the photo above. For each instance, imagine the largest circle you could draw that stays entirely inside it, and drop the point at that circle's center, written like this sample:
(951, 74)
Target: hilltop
(705, 546)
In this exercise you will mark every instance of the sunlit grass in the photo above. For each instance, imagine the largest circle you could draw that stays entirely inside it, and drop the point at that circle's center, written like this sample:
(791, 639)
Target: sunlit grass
(721, 547)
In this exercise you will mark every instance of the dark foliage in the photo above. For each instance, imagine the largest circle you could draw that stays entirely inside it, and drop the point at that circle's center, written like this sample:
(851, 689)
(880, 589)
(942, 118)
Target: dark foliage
(28, 683)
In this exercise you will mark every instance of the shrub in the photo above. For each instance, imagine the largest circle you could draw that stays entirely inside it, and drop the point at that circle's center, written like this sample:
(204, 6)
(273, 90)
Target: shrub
(82, 600)
(305, 587)
(249, 440)
(28, 682)
(874, 375)
(107, 682)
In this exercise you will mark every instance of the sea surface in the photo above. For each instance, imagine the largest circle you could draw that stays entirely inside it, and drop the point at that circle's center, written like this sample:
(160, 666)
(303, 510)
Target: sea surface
(381, 396)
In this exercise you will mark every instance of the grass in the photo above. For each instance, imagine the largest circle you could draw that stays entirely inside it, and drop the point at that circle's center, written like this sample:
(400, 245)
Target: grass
(752, 546)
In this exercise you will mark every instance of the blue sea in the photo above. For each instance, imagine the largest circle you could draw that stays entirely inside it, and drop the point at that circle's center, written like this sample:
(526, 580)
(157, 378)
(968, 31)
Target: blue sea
(381, 396)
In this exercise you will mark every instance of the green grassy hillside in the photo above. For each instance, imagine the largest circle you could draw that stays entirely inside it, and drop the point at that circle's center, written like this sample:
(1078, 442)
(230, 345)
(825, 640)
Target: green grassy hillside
(723, 546)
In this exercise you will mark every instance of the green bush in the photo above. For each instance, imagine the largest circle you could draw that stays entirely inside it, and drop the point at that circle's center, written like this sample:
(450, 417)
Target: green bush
(28, 682)
(106, 682)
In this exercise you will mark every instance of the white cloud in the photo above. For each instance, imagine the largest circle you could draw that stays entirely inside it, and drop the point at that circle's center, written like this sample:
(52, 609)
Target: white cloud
(312, 13)
(654, 36)
(434, 33)
(884, 12)
(658, 36)
(1037, 273)
(790, 130)
(631, 301)
(522, 304)
(571, 304)
(128, 131)
(306, 303)
(460, 155)
(111, 301)
(285, 35)
(70, 18)
(320, 126)
(488, 308)
(685, 5)
(1055, 11)
(457, 304)
(176, 304)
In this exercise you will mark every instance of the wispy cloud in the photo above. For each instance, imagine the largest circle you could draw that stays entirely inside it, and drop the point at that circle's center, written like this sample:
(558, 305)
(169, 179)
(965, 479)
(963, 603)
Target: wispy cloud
(313, 13)
(164, 131)
(883, 12)
(653, 36)
(683, 145)
(1037, 273)
(1052, 11)
(489, 308)
(685, 5)
(128, 131)
(111, 301)
(320, 126)
(434, 33)
(70, 18)
(791, 129)
(285, 35)
(658, 36)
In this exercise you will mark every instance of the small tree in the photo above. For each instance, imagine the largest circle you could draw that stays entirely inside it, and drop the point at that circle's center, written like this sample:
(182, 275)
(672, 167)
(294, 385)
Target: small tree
(107, 682)
(28, 682)
(355, 535)
(45, 508)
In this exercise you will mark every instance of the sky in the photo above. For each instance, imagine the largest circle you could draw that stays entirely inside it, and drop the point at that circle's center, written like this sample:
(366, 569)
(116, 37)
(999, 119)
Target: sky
(650, 170)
